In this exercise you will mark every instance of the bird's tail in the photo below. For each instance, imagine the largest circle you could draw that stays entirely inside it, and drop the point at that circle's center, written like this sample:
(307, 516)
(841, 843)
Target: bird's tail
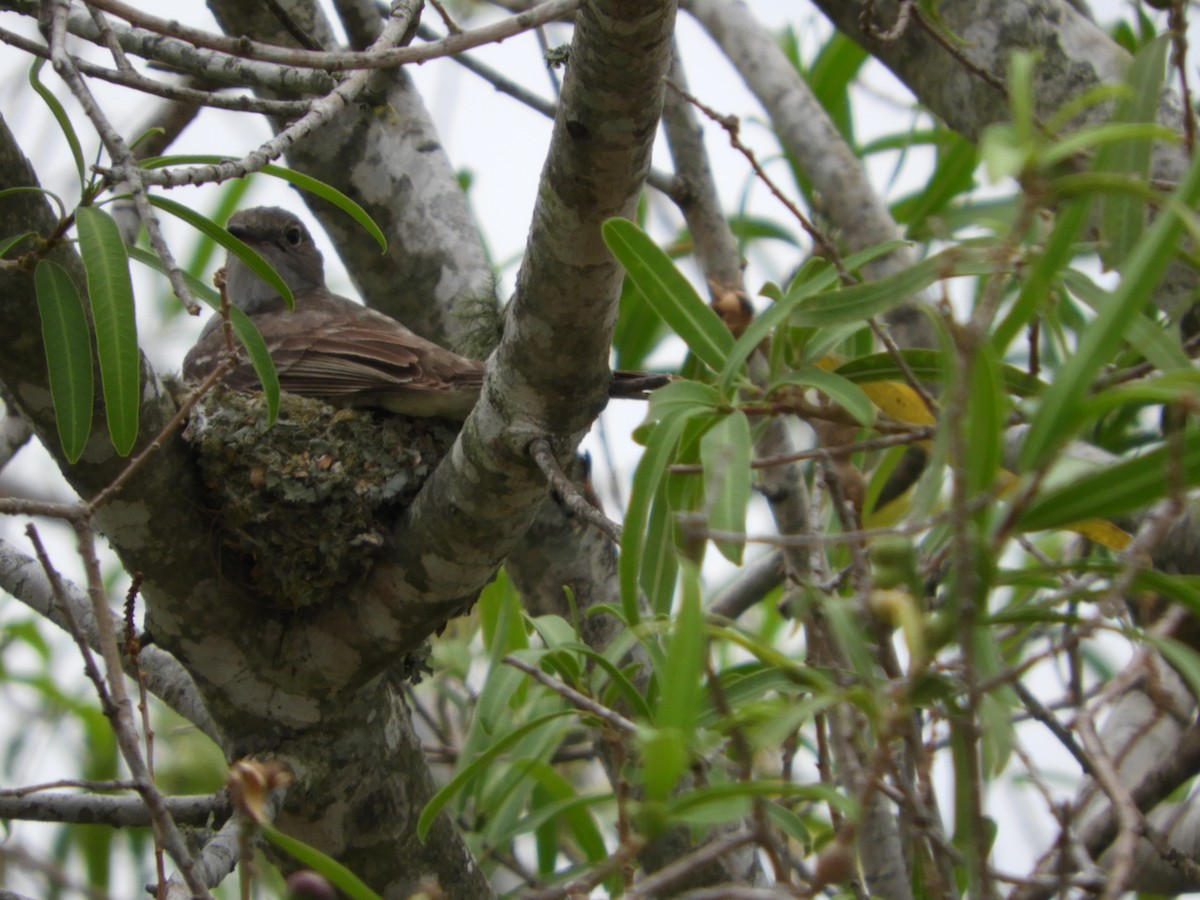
(636, 385)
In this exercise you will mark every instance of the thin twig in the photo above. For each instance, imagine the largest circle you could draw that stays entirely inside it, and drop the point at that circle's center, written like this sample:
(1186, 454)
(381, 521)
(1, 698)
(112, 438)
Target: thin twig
(568, 494)
(377, 57)
(575, 698)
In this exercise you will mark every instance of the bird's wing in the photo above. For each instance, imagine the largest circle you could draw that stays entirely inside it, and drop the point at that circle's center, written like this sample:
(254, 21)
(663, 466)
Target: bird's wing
(330, 351)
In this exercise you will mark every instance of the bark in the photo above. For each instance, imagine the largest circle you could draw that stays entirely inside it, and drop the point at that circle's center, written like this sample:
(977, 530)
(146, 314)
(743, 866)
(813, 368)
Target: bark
(313, 689)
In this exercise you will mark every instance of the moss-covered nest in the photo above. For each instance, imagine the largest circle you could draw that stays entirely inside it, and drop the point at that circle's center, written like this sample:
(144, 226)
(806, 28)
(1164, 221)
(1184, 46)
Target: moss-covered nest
(312, 499)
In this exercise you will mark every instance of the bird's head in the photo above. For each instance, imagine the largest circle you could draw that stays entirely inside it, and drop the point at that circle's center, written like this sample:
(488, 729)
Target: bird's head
(281, 239)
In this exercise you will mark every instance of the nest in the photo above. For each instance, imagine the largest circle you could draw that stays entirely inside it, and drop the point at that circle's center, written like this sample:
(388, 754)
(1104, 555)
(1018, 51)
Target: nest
(312, 499)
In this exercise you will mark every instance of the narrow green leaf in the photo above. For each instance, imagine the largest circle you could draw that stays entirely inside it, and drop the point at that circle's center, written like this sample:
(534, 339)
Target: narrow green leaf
(639, 328)
(1113, 490)
(650, 471)
(680, 678)
(984, 424)
(630, 695)
(838, 388)
(68, 355)
(747, 228)
(862, 301)
(312, 858)
(1123, 218)
(671, 295)
(1093, 136)
(789, 823)
(725, 451)
(565, 804)
(299, 179)
(1147, 337)
(60, 116)
(683, 395)
(834, 68)
(237, 247)
(34, 189)
(1170, 388)
(703, 795)
(953, 175)
(8, 243)
(928, 365)
(660, 561)
(244, 330)
(1058, 416)
(111, 294)
(198, 288)
(664, 754)
(1035, 287)
(814, 277)
(1021, 65)
(475, 767)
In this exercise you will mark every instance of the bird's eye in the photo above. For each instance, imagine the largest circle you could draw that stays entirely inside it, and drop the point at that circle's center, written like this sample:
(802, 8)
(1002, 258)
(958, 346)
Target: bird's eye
(294, 235)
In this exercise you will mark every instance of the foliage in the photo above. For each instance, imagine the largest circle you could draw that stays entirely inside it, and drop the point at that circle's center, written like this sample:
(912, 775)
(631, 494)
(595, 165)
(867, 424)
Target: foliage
(909, 625)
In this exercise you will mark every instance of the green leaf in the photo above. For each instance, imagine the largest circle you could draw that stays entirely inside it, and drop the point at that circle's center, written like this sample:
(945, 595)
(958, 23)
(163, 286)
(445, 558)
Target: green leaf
(1021, 64)
(680, 677)
(706, 794)
(1103, 135)
(1147, 337)
(299, 179)
(861, 301)
(1123, 218)
(927, 365)
(244, 330)
(565, 804)
(1058, 417)
(60, 116)
(836, 387)
(664, 753)
(476, 766)
(650, 471)
(630, 695)
(984, 425)
(8, 243)
(68, 355)
(201, 290)
(34, 189)
(639, 328)
(725, 451)
(683, 396)
(1113, 490)
(671, 295)
(812, 278)
(954, 174)
(111, 294)
(1041, 276)
(835, 67)
(237, 247)
(660, 562)
(312, 858)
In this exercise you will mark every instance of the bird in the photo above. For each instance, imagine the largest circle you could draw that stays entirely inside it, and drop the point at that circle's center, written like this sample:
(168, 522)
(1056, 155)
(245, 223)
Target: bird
(332, 348)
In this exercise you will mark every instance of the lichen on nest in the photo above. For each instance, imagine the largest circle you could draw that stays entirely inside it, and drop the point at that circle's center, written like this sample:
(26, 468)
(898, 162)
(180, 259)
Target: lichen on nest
(312, 498)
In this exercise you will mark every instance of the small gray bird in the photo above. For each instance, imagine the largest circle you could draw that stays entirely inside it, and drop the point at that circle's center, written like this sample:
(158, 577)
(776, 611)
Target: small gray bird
(333, 348)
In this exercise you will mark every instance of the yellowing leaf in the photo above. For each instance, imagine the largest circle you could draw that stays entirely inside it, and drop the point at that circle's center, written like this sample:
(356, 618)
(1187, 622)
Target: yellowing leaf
(1103, 532)
(899, 401)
